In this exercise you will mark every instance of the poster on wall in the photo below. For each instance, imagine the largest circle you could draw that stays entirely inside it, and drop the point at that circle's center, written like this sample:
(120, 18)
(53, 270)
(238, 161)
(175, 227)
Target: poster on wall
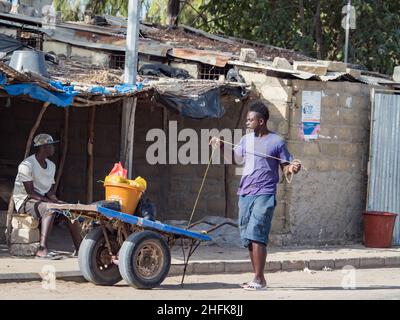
(311, 114)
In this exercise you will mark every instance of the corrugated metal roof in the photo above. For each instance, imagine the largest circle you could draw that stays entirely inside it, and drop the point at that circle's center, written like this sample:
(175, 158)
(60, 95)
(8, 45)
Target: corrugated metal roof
(384, 176)
(207, 57)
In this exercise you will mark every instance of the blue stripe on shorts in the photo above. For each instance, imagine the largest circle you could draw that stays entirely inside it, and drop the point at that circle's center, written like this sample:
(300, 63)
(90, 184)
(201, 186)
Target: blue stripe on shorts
(255, 216)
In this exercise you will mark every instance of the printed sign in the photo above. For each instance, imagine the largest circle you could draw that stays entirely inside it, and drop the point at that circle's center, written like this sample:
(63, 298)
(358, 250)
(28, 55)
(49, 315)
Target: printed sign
(311, 114)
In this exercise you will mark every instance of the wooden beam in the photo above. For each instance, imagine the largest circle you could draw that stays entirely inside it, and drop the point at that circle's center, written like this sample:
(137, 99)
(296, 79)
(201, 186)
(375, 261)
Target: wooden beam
(65, 148)
(11, 205)
(127, 134)
(89, 187)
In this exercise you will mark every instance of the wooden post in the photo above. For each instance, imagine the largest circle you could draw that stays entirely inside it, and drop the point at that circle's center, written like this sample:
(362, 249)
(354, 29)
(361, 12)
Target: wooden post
(127, 134)
(89, 188)
(27, 149)
(65, 148)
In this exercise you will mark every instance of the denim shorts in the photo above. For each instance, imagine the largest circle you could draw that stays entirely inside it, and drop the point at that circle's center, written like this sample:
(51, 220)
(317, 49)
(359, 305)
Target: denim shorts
(255, 216)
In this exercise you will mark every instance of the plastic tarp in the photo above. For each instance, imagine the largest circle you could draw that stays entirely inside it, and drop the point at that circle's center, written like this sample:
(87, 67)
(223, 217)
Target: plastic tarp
(61, 99)
(205, 105)
(9, 44)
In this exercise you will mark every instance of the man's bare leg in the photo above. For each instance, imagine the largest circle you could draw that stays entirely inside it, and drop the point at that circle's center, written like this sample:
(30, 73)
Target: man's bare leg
(259, 258)
(45, 229)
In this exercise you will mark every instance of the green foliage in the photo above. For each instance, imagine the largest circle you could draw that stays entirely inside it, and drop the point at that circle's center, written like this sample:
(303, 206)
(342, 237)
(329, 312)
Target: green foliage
(291, 24)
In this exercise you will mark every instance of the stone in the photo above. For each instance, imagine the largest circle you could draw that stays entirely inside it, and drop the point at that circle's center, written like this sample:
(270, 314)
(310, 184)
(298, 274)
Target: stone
(24, 249)
(25, 235)
(24, 221)
(290, 265)
(372, 262)
(247, 55)
(281, 63)
(396, 74)
(335, 66)
(311, 67)
(353, 72)
(320, 264)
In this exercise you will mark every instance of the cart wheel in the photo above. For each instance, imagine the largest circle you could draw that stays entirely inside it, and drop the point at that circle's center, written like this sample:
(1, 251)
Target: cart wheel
(144, 260)
(95, 260)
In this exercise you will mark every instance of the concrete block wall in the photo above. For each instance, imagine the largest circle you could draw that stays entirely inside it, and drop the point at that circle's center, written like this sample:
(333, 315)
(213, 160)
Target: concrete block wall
(325, 202)
(174, 187)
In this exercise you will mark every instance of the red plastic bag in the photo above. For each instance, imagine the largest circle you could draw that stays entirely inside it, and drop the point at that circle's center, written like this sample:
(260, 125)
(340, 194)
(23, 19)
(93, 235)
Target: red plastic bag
(118, 170)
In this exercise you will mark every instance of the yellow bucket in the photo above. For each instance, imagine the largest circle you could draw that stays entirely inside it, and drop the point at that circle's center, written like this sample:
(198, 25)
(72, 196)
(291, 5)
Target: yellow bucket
(128, 196)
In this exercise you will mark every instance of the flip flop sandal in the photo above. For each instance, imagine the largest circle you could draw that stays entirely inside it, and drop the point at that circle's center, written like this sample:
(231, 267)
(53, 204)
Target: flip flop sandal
(254, 286)
(244, 284)
(49, 257)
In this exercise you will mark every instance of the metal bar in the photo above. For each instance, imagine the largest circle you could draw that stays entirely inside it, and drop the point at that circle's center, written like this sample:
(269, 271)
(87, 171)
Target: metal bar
(132, 42)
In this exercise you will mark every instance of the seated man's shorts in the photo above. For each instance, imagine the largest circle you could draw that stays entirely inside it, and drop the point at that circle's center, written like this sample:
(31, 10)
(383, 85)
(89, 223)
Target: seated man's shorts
(255, 216)
(35, 208)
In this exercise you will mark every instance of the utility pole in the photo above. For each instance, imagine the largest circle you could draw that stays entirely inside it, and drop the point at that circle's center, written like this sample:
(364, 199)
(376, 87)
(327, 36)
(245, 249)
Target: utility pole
(132, 42)
(347, 31)
(129, 104)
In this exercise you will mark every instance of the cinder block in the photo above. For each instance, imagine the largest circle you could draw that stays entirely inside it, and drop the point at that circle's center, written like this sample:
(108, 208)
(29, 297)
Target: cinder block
(330, 116)
(323, 164)
(396, 74)
(392, 261)
(24, 221)
(281, 63)
(296, 148)
(353, 72)
(349, 150)
(290, 265)
(345, 134)
(312, 67)
(340, 263)
(283, 93)
(238, 266)
(336, 66)
(22, 236)
(320, 264)
(330, 101)
(330, 149)
(342, 165)
(208, 267)
(311, 149)
(372, 262)
(24, 249)
(247, 55)
(273, 266)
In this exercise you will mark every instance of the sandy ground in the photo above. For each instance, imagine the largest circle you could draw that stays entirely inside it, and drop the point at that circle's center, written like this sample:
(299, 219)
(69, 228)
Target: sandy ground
(369, 284)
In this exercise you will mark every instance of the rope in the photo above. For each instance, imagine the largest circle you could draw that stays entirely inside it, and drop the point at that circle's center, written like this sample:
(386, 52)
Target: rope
(288, 176)
(201, 188)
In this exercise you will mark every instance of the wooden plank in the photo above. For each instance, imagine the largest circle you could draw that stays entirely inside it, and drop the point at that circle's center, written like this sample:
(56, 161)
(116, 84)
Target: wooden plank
(89, 187)
(127, 134)
(65, 148)
(72, 206)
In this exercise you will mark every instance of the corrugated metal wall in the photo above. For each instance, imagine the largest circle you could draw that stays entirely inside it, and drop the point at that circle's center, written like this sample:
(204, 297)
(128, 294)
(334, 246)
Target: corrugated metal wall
(384, 177)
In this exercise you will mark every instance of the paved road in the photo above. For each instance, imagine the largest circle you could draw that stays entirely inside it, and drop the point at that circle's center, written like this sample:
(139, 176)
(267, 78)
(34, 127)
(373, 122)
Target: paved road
(369, 283)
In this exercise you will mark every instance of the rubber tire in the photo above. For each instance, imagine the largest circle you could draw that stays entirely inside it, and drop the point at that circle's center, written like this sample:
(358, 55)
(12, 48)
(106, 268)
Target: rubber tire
(88, 265)
(128, 251)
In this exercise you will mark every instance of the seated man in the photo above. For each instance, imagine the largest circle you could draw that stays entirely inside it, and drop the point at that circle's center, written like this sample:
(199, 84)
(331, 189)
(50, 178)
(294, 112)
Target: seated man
(34, 186)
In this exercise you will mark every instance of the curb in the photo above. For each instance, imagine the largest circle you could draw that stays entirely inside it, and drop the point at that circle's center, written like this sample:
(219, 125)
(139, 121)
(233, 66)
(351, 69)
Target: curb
(234, 266)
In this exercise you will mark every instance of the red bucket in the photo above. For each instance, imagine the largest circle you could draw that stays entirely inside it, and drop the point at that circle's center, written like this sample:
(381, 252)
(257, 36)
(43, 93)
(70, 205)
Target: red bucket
(378, 229)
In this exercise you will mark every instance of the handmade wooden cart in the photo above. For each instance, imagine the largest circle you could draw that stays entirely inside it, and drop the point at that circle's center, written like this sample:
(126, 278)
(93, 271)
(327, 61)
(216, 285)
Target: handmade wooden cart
(124, 246)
